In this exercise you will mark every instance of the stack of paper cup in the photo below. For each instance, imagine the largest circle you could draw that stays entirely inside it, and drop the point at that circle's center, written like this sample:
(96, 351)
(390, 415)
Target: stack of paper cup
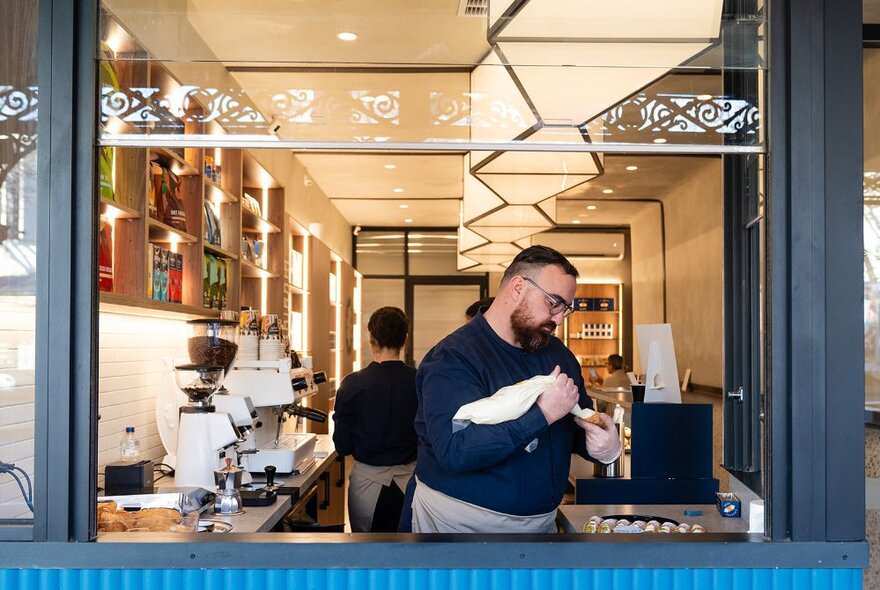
(271, 344)
(249, 335)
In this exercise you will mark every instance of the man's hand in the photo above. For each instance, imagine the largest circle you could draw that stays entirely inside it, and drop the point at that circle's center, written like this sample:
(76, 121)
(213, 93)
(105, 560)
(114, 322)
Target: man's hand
(603, 442)
(558, 400)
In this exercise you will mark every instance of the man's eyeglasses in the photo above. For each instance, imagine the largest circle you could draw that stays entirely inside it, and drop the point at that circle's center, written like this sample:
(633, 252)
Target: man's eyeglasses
(556, 303)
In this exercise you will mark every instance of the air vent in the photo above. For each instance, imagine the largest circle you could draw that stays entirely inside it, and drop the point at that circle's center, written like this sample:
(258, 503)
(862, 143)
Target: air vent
(473, 8)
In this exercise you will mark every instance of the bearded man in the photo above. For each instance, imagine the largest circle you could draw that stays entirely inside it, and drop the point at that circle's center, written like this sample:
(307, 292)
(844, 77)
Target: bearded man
(508, 477)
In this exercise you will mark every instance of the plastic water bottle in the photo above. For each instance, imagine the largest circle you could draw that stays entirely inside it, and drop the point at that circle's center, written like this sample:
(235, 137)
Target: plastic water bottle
(130, 447)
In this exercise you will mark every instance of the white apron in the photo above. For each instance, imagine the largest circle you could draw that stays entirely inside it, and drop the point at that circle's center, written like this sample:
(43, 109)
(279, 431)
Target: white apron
(365, 483)
(435, 512)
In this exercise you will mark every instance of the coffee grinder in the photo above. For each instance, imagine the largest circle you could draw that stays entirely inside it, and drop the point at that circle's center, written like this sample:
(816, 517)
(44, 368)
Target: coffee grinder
(203, 432)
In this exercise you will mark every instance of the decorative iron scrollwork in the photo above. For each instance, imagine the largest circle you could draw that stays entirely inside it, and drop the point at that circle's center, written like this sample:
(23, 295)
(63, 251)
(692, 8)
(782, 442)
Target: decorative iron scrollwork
(18, 125)
(683, 113)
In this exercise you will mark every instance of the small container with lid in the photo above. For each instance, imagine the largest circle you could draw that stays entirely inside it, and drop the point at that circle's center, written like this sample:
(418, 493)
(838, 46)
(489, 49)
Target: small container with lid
(130, 446)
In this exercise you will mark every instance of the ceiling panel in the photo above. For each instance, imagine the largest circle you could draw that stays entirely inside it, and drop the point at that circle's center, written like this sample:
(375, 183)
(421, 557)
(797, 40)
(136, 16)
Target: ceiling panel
(389, 31)
(368, 212)
(607, 212)
(654, 176)
(365, 176)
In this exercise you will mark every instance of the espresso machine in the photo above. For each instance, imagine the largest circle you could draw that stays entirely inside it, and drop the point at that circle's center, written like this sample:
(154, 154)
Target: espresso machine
(277, 389)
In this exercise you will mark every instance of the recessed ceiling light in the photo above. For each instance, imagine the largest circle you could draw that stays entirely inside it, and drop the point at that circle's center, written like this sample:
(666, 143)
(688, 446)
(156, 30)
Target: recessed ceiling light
(347, 36)
(659, 140)
(704, 97)
(390, 166)
(404, 206)
(591, 207)
(632, 168)
(608, 191)
(398, 190)
(575, 220)
(408, 220)
(614, 245)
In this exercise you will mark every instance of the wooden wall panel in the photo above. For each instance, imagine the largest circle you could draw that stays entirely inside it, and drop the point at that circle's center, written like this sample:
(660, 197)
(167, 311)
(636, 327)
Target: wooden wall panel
(320, 324)
(347, 336)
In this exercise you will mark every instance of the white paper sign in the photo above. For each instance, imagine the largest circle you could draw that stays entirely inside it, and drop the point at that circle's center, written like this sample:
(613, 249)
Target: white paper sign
(661, 373)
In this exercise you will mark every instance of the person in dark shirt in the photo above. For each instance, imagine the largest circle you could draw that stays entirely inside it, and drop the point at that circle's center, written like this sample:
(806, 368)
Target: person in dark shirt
(374, 414)
(471, 312)
(511, 476)
(405, 525)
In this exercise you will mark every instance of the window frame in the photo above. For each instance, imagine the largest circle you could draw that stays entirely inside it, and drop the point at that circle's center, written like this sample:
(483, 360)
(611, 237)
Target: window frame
(815, 485)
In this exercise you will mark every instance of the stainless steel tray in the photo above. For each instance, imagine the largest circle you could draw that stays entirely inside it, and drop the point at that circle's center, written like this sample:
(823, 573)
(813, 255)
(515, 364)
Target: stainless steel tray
(206, 525)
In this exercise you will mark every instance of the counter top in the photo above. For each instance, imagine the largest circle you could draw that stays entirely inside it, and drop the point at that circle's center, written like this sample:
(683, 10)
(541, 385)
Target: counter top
(614, 395)
(261, 519)
(573, 517)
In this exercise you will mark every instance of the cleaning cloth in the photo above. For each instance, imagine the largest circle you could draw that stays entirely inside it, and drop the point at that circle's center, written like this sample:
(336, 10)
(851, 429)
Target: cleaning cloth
(509, 403)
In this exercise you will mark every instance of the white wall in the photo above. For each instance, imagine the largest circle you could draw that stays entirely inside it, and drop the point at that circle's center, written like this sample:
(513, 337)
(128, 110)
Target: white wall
(647, 271)
(694, 271)
(131, 357)
(308, 205)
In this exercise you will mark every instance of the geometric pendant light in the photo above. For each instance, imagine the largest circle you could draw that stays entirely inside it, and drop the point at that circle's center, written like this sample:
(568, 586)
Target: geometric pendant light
(527, 178)
(487, 215)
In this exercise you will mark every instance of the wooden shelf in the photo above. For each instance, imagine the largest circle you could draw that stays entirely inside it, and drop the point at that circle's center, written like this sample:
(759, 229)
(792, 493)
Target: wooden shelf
(216, 193)
(139, 306)
(218, 251)
(118, 211)
(253, 223)
(294, 289)
(159, 232)
(594, 311)
(250, 270)
(172, 160)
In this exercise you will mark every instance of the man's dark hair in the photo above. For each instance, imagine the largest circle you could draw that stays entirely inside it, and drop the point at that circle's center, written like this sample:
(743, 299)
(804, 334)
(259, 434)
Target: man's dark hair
(537, 257)
(471, 312)
(389, 326)
(616, 361)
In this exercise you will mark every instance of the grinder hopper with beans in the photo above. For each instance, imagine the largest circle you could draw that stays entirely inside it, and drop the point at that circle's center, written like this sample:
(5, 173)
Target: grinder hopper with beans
(203, 431)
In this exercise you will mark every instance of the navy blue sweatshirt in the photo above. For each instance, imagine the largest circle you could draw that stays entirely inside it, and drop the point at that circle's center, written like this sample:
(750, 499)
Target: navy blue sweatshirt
(488, 464)
(374, 413)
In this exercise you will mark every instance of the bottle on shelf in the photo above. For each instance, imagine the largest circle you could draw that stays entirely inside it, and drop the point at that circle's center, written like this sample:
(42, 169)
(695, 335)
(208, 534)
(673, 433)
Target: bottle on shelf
(130, 447)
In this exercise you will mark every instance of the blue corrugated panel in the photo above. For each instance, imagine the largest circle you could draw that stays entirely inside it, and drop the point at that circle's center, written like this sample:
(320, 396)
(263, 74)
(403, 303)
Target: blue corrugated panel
(358, 579)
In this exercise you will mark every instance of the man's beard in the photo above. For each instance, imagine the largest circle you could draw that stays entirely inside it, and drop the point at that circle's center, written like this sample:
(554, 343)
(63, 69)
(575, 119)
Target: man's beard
(531, 337)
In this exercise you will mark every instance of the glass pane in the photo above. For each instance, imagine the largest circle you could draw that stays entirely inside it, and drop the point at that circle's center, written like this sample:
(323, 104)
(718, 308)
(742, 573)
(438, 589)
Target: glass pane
(438, 310)
(872, 228)
(380, 253)
(18, 252)
(432, 253)
(309, 72)
(378, 293)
